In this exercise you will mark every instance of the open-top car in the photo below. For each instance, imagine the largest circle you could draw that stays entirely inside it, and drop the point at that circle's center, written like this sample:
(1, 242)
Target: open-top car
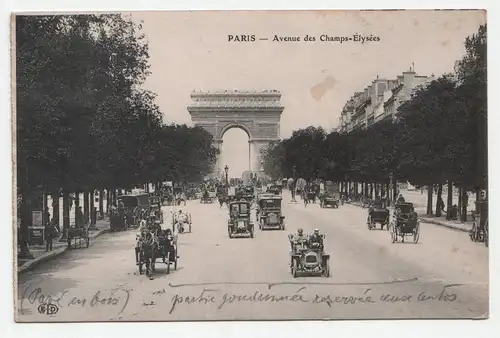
(378, 213)
(269, 215)
(274, 189)
(329, 200)
(208, 196)
(308, 258)
(240, 223)
(479, 231)
(404, 223)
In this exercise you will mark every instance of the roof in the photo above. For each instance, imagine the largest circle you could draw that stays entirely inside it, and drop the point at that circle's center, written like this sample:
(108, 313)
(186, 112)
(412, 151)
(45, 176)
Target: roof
(239, 202)
(134, 195)
(270, 197)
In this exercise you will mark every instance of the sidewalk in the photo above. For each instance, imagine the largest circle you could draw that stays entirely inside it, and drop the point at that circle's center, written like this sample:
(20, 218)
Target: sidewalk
(40, 256)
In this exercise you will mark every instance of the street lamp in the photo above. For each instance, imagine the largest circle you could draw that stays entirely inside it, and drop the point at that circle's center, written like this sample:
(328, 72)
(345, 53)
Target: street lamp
(226, 169)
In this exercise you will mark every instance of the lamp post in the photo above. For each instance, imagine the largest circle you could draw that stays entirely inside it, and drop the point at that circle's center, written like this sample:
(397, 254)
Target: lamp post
(294, 185)
(226, 170)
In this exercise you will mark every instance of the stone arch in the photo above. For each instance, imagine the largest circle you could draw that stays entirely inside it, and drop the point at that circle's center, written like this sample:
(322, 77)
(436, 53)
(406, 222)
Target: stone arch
(233, 125)
(258, 113)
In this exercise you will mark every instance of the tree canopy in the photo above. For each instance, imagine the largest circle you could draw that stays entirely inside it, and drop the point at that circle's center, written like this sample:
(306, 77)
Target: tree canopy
(438, 135)
(83, 121)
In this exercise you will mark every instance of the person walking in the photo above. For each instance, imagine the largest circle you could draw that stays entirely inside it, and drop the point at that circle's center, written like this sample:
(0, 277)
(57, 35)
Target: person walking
(50, 233)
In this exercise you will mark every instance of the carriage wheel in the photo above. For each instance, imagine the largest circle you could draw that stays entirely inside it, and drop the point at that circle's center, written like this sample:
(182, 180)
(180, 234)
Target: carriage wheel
(168, 262)
(326, 271)
(416, 234)
(251, 233)
(472, 232)
(176, 258)
(88, 241)
(295, 273)
(369, 222)
(140, 268)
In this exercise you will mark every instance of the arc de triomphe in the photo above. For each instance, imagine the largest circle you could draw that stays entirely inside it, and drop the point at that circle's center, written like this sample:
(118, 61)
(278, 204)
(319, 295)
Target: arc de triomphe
(258, 113)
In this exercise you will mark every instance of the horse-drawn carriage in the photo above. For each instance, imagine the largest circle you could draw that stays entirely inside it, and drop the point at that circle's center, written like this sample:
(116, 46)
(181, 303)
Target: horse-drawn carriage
(479, 231)
(159, 244)
(404, 223)
(308, 258)
(79, 236)
(240, 222)
(269, 213)
(378, 213)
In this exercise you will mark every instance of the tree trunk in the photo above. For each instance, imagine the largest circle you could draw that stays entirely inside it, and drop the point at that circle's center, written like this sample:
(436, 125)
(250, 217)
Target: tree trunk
(429, 199)
(91, 206)
(55, 208)
(23, 231)
(465, 202)
(387, 194)
(108, 200)
(394, 191)
(101, 201)
(65, 215)
(438, 199)
(460, 195)
(377, 190)
(371, 191)
(86, 212)
(449, 201)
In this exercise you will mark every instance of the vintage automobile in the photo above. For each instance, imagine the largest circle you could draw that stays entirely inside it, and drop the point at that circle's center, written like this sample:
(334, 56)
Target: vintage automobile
(329, 200)
(378, 213)
(240, 222)
(479, 231)
(269, 215)
(404, 223)
(274, 189)
(208, 196)
(308, 259)
(136, 206)
(247, 193)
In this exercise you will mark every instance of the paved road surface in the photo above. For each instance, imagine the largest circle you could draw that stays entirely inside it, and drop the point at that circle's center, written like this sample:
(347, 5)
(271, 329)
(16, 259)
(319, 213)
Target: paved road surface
(101, 283)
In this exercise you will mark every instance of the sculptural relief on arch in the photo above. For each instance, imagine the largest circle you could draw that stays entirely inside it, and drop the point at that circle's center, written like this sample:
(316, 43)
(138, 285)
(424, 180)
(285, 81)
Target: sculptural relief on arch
(258, 113)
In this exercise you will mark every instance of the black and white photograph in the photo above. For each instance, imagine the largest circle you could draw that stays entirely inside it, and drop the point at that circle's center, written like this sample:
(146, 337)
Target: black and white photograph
(250, 165)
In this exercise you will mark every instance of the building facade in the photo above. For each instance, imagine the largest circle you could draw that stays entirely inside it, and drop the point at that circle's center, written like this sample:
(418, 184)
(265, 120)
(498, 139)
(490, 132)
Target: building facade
(379, 100)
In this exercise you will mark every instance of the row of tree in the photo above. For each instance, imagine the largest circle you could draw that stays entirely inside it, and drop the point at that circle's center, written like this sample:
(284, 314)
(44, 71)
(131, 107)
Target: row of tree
(83, 121)
(438, 136)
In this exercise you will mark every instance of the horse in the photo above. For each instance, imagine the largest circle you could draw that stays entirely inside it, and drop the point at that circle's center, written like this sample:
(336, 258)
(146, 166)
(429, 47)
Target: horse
(147, 253)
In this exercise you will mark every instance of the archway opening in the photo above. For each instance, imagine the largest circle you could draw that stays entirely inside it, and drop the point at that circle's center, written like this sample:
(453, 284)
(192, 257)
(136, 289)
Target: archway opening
(235, 152)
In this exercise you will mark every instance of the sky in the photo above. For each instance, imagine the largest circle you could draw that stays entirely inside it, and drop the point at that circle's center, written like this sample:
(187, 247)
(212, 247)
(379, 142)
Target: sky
(190, 51)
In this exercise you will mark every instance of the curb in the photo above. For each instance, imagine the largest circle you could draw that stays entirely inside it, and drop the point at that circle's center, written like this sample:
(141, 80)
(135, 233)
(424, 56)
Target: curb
(449, 226)
(30, 265)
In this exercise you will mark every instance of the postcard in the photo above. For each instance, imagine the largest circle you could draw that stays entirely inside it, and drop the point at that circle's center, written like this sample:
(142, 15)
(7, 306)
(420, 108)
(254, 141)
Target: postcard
(250, 165)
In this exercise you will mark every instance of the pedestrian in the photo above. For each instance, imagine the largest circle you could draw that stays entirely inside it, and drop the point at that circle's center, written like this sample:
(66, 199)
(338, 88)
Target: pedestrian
(49, 233)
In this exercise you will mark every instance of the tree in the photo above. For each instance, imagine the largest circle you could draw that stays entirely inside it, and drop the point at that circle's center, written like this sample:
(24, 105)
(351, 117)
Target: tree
(272, 159)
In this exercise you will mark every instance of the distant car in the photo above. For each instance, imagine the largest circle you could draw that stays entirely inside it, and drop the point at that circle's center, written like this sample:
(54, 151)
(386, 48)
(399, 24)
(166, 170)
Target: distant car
(240, 223)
